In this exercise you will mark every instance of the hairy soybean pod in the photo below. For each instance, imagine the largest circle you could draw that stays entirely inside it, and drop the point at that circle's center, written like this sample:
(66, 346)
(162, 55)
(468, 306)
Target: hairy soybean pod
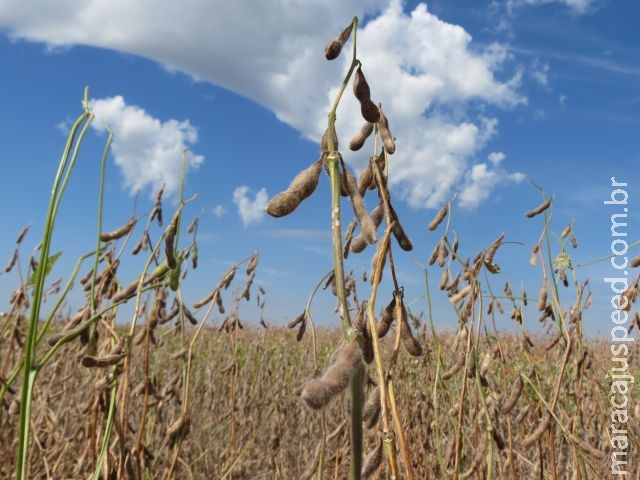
(358, 141)
(119, 233)
(539, 209)
(385, 134)
(439, 217)
(302, 186)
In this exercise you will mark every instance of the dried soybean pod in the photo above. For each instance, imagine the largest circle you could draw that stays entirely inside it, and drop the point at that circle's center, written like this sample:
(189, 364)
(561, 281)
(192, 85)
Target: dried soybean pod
(385, 133)
(538, 432)
(22, 234)
(366, 224)
(370, 111)
(635, 262)
(455, 368)
(334, 47)
(372, 461)
(105, 361)
(358, 141)
(324, 143)
(539, 209)
(513, 398)
(365, 180)
(12, 262)
(386, 318)
(317, 392)
(408, 340)
(542, 301)
(302, 186)
(359, 243)
(372, 407)
(399, 233)
(437, 220)
(119, 233)
(169, 244)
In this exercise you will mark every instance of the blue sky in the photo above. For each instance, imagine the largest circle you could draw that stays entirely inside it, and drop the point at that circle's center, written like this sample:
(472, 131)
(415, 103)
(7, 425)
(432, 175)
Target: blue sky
(483, 97)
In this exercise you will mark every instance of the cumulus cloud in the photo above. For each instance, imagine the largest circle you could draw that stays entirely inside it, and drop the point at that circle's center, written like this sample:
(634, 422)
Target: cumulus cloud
(540, 72)
(148, 151)
(251, 211)
(483, 178)
(426, 72)
(219, 211)
(496, 157)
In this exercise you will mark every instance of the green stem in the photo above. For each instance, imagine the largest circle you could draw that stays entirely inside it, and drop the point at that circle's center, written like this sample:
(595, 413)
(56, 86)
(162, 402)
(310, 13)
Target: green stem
(30, 373)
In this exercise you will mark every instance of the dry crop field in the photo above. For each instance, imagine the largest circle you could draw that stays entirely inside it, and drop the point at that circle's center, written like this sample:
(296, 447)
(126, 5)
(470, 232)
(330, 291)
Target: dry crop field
(166, 392)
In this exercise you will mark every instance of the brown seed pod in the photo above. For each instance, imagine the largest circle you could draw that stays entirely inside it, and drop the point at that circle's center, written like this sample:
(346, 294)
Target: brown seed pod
(227, 279)
(253, 263)
(539, 209)
(119, 233)
(169, 247)
(317, 392)
(334, 47)
(385, 133)
(388, 314)
(444, 279)
(105, 361)
(513, 398)
(360, 86)
(372, 408)
(357, 142)
(372, 461)
(566, 231)
(455, 368)
(542, 300)
(409, 342)
(443, 253)
(403, 240)
(437, 220)
(128, 292)
(635, 262)
(302, 186)
(493, 248)
(365, 180)
(370, 111)
(461, 294)
(587, 447)
(367, 227)
(22, 234)
(574, 241)
(537, 433)
(359, 243)
(12, 262)
(324, 143)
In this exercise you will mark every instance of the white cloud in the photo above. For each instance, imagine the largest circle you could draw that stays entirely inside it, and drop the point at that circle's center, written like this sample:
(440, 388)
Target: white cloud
(147, 150)
(480, 181)
(250, 211)
(540, 72)
(576, 6)
(563, 100)
(496, 157)
(219, 211)
(425, 71)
